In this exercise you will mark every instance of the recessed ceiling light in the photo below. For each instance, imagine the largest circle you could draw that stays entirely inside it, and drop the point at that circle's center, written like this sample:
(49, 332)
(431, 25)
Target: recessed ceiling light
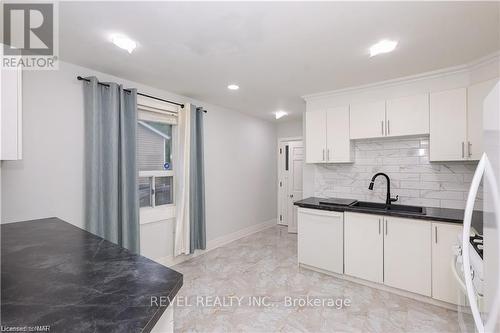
(124, 42)
(384, 46)
(280, 114)
(233, 87)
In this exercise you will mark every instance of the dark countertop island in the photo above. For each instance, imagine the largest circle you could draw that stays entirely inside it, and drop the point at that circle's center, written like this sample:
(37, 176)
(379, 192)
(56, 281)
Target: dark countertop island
(55, 274)
(431, 213)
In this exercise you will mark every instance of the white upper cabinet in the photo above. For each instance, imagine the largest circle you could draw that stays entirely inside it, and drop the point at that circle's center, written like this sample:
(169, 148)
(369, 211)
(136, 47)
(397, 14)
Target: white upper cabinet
(338, 144)
(367, 120)
(475, 97)
(316, 136)
(11, 114)
(407, 115)
(407, 254)
(448, 125)
(327, 135)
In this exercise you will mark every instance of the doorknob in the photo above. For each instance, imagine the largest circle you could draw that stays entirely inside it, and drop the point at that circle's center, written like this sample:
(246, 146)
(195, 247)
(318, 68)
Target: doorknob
(291, 195)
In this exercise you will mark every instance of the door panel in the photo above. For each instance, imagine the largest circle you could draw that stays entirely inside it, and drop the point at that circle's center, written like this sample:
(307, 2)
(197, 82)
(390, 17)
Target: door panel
(448, 125)
(408, 115)
(320, 239)
(444, 285)
(475, 98)
(367, 120)
(282, 184)
(363, 246)
(316, 136)
(338, 139)
(296, 161)
(407, 255)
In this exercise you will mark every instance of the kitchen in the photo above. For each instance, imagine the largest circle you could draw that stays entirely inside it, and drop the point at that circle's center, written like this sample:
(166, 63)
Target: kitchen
(216, 166)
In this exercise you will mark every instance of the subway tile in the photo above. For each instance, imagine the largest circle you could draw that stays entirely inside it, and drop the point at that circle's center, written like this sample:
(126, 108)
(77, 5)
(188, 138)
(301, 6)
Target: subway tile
(420, 185)
(400, 160)
(456, 204)
(446, 195)
(442, 177)
(406, 161)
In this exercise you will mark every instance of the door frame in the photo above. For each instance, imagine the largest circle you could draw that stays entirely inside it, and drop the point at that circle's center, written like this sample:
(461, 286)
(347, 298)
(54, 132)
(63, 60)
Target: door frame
(279, 177)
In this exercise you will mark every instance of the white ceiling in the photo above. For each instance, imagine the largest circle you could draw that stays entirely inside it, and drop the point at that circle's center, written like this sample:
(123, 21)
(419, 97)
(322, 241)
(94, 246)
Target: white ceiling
(275, 52)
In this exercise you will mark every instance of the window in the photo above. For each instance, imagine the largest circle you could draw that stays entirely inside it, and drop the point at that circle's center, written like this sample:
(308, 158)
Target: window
(155, 156)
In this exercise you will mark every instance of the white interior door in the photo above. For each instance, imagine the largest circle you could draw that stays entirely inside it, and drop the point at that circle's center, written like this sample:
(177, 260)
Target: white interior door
(283, 183)
(295, 164)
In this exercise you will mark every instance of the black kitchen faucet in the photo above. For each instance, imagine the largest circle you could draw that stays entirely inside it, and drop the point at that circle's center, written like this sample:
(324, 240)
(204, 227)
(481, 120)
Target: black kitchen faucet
(388, 199)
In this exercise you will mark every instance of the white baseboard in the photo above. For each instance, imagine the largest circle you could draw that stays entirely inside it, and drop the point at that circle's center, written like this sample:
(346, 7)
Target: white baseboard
(218, 242)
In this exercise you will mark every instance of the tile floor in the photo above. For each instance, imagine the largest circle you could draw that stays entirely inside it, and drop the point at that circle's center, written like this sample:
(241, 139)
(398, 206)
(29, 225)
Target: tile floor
(263, 267)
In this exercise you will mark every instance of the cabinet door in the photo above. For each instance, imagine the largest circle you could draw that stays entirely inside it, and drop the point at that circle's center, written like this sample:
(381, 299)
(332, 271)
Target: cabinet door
(337, 134)
(408, 115)
(320, 239)
(316, 136)
(475, 97)
(367, 120)
(444, 285)
(448, 128)
(363, 246)
(407, 255)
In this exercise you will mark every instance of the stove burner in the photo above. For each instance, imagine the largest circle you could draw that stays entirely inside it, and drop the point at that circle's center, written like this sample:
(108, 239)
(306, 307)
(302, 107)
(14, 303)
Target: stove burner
(477, 243)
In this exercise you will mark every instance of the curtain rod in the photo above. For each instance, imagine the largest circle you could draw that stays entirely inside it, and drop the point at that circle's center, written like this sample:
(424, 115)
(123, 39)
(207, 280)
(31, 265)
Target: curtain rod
(145, 95)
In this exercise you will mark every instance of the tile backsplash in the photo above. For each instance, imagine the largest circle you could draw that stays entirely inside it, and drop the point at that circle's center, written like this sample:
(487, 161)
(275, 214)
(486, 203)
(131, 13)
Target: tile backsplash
(413, 177)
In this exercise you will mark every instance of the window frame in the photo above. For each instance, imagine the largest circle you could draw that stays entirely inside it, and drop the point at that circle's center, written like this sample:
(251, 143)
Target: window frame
(156, 111)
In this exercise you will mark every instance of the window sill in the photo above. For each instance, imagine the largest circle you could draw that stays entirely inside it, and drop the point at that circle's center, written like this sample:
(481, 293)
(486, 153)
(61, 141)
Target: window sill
(161, 213)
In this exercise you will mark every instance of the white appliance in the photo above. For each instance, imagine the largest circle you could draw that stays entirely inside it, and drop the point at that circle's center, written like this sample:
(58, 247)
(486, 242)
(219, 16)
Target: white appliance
(480, 276)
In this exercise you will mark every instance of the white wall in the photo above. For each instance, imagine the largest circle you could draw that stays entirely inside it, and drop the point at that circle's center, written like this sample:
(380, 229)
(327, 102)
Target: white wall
(240, 163)
(291, 128)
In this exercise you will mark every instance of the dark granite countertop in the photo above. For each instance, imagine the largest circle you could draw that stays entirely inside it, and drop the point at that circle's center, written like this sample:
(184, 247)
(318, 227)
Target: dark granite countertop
(56, 274)
(431, 213)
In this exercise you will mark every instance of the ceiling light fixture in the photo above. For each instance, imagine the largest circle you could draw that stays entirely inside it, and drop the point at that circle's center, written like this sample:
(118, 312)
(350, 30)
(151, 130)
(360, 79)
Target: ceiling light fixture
(124, 42)
(384, 46)
(233, 87)
(280, 114)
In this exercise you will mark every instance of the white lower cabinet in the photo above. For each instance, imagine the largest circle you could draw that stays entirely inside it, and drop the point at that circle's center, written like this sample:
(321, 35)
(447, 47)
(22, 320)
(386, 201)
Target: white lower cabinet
(444, 285)
(320, 239)
(407, 254)
(364, 246)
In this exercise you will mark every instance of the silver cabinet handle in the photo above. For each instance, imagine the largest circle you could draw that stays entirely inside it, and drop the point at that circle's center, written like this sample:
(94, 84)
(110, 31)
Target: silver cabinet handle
(469, 148)
(463, 149)
(388, 128)
(436, 234)
(379, 226)
(386, 227)
(382, 127)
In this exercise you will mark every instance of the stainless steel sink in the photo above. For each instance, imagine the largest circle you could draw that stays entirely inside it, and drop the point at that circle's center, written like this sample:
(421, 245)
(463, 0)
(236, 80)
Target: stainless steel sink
(384, 207)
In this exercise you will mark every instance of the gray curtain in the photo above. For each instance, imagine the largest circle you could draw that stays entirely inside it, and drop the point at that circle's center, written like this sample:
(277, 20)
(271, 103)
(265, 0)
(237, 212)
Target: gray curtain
(111, 195)
(198, 239)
